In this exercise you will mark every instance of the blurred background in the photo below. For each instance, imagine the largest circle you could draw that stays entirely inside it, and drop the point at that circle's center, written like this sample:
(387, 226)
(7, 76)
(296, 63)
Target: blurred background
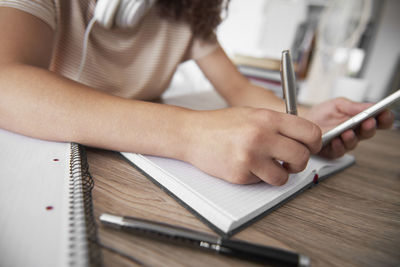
(347, 48)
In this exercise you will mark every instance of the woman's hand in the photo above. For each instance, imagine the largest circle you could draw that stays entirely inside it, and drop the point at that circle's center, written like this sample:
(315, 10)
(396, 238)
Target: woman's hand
(246, 145)
(238, 91)
(331, 113)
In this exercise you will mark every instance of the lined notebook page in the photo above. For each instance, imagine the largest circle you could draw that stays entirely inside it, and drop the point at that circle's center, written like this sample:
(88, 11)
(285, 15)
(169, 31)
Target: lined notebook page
(227, 205)
(34, 196)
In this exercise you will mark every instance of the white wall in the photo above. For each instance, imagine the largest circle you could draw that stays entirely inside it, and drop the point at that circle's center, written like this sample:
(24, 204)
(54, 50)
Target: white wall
(261, 28)
(385, 51)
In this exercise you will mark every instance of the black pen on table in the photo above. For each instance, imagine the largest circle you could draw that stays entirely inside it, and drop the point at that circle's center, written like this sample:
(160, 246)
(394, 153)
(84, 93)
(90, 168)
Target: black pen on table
(288, 83)
(234, 248)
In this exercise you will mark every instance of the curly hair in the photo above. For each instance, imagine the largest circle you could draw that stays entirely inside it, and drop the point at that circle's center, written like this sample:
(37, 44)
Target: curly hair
(203, 16)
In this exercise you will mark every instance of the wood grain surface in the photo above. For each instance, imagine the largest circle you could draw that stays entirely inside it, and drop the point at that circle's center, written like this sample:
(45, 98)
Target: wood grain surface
(350, 219)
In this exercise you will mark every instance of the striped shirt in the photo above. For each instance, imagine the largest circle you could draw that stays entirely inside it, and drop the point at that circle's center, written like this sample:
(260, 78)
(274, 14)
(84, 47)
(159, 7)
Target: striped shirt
(135, 63)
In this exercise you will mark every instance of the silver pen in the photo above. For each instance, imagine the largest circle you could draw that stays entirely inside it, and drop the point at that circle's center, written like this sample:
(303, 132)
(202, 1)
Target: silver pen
(230, 247)
(288, 83)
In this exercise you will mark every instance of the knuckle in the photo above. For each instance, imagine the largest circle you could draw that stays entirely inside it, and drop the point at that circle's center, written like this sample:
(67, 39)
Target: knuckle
(278, 178)
(316, 132)
(241, 179)
(339, 154)
(315, 138)
(243, 160)
(269, 117)
(304, 156)
(252, 136)
(298, 168)
(303, 166)
(340, 100)
(239, 173)
(253, 133)
(264, 116)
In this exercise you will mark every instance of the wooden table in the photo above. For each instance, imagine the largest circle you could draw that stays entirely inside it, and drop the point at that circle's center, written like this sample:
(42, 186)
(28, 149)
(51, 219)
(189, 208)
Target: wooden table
(350, 219)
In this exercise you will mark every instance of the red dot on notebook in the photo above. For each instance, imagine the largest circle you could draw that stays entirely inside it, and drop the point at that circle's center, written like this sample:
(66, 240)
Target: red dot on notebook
(49, 207)
(315, 180)
(56, 160)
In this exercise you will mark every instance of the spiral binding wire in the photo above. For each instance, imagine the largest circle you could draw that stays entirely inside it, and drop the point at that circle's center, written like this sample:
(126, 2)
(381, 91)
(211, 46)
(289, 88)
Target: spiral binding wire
(83, 245)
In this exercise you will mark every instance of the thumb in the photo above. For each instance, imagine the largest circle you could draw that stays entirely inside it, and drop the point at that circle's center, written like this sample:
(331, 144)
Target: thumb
(349, 107)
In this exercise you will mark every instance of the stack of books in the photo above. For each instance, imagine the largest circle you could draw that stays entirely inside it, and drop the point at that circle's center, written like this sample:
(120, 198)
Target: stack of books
(262, 71)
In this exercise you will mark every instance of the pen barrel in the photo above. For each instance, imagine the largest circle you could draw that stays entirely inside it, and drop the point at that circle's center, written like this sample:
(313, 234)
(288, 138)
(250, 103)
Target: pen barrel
(235, 248)
(259, 253)
(289, 83)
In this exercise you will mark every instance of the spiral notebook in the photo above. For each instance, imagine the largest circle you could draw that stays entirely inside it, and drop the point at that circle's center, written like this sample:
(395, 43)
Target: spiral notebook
(45, 212)
(226, 207)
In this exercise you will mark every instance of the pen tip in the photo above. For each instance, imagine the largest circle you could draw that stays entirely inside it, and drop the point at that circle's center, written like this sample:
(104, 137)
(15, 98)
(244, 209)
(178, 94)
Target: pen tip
(111, 219)
(304, 261)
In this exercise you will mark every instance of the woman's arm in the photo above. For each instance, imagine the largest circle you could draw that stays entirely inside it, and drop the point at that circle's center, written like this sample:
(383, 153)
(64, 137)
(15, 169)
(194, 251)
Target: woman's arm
(240, 145)
(236, 88)
(39, 103)
(233, 86)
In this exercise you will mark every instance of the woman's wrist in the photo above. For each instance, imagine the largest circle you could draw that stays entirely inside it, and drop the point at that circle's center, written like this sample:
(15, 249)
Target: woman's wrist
(183, 134)
(303, 111)
(193, 134)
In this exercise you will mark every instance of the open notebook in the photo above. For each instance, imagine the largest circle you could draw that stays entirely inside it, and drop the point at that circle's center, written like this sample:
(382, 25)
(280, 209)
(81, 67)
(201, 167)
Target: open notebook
(224, 206)
(45, 212)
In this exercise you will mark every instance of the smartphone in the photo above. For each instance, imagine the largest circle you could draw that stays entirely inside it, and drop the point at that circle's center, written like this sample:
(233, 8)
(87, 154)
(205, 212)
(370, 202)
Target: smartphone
(360, 117)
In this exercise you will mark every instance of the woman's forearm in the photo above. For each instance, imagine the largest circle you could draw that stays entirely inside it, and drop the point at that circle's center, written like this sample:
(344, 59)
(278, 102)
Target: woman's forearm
(41, 104)
(237, 144)
(234, 87)
(256, 96)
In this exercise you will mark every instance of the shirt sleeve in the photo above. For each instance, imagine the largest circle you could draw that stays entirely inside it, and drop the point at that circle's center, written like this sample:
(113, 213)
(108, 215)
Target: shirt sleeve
(42, 9)
(201, 48)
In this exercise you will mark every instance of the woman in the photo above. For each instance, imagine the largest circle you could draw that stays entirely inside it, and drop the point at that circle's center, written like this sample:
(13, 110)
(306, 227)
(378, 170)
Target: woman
(40, 52)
